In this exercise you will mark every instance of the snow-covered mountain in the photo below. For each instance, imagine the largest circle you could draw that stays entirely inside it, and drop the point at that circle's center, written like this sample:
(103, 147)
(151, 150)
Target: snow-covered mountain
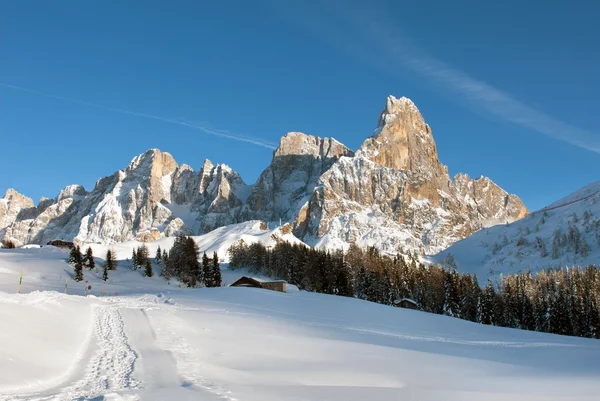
(393, 192)
(565, 233)
(152, 197)
(287, 184)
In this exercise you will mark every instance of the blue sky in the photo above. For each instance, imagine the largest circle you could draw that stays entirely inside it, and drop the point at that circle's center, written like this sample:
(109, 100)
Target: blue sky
(509, 89)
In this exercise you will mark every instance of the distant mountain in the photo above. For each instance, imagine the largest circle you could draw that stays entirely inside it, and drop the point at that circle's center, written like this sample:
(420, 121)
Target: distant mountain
(565, 233)
(393, 192)
(150, 198)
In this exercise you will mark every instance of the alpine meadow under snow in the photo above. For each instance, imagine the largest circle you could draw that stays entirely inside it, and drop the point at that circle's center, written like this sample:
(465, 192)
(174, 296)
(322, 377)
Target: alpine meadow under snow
(156, 341)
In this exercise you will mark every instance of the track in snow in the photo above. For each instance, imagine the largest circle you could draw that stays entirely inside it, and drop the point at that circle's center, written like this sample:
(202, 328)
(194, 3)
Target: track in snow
(111, 366)
(127, 364)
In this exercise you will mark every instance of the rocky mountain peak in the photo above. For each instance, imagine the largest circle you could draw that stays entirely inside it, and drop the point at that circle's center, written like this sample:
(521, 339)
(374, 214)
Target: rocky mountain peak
(153, 163)
(298, 143)
(207, 166)
(399, 105)
(14, 206)
(17, 198)
(393, 193)
(402, 139)
(285, 186)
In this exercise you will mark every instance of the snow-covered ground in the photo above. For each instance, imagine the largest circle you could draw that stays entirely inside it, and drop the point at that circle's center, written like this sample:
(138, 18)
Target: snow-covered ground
(218, 240)
(156, 341)
(509, 248)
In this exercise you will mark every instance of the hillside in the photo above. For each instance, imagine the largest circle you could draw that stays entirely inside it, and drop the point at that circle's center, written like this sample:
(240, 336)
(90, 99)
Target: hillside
(565, 233)
(46, 267)
(156, 341)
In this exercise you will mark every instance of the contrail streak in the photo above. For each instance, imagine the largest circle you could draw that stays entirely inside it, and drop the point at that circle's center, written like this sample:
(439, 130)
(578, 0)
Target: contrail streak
(254, 141)
(367, 33)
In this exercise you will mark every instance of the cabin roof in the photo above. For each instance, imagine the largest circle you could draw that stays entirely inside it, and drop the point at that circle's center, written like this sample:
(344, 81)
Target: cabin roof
(400, 300)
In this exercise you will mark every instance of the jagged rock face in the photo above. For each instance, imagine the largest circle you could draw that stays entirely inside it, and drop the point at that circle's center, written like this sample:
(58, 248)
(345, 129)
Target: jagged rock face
(152, 196)
(396, 193)
(286, 185)
(392, 193)
(219, 196)
(13, 207)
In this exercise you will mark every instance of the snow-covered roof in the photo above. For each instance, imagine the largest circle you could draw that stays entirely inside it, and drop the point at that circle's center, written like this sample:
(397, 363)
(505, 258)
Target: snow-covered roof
(399, 300)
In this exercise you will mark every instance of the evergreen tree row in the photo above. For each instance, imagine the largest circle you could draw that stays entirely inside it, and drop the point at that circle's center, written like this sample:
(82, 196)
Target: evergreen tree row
(561, 301)
(141, 258)
(182, 262)
(80, 261)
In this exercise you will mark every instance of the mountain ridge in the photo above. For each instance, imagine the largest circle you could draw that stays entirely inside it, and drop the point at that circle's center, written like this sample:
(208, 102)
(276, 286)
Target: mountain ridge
(392, 192)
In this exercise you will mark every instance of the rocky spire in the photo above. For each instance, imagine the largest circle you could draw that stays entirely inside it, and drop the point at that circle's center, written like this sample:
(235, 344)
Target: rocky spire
(402, 139)
(396, 193)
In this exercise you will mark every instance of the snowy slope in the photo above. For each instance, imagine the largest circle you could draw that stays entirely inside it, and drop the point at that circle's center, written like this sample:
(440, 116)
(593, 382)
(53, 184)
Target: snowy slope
(218, 240)
(156, 341)
(251, 344)
(514, 247)
(46, 268)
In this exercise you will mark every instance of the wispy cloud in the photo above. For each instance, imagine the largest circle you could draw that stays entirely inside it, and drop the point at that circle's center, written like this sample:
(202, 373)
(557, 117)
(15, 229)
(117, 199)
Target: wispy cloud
(373, 37)
(210, 131)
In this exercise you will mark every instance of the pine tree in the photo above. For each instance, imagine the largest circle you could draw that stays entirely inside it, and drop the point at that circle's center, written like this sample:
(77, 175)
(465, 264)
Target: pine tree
(148, 269)
(208, 276)
(541, 246)
(174, 262)
(88, 259)
(451, 294)
(134, 260)
(555, 246)
(78, 275)
(143, 255)
(487, 306)
(158, 257)
(216, 271)
(140, 256)
(584, 248)
(111, 262)
(193, 270)
(75, 255)
(105, 273)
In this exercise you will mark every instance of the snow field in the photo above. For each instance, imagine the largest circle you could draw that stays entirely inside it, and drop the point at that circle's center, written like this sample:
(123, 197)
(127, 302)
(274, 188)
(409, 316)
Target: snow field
(156, 341)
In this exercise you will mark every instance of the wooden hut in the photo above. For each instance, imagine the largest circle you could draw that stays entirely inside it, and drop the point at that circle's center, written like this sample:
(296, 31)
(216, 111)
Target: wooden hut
(61, 244)
(406, 303)
(255, 283)
(247, 282)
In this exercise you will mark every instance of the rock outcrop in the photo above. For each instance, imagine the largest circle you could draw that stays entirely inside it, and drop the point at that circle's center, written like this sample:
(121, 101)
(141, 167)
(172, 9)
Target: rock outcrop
(288, 182)
(396, 193)
(152, 196)
(393, 192)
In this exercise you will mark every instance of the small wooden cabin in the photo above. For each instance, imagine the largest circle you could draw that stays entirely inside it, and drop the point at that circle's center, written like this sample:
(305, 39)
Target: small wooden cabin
(267, 285)
(274, 286)
(406, 303)
(247, 282)
(61, 244)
